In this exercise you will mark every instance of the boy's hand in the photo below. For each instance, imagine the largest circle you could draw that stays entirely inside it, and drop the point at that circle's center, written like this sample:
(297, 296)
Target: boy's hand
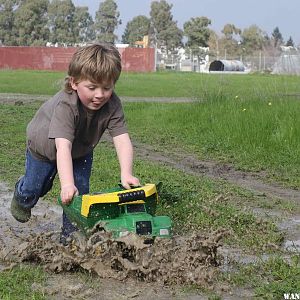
(128, 180)
(67, 193)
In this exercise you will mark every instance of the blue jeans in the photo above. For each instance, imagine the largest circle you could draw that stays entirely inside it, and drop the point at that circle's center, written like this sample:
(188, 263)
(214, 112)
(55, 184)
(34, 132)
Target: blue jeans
(38, 181)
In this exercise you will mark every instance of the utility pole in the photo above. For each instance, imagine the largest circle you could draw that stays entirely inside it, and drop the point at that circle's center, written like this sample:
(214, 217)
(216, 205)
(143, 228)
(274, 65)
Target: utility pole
(217, 42)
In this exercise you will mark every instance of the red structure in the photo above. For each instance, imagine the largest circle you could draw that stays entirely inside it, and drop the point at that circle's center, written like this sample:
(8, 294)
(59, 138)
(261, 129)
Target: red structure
(138, 59)
(57, 59)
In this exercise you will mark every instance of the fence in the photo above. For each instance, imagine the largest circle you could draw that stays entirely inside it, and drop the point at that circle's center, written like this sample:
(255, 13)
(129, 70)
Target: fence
(57, 59)
(139, 60)
(283, 62)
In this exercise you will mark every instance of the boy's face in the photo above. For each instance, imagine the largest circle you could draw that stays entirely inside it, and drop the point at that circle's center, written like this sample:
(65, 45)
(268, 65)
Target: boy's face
(92, 95)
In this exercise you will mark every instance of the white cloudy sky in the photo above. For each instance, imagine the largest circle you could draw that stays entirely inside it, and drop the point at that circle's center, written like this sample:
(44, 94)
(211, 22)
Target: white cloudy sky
(267, 14)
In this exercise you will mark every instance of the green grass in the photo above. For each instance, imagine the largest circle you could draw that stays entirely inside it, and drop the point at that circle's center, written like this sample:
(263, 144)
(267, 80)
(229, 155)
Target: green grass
(31, 82)
(271, 279)
(252, 134)
(17, 283)
(161, 84)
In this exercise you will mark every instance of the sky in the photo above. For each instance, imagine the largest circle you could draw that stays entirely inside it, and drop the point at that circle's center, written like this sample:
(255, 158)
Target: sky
(266, 14)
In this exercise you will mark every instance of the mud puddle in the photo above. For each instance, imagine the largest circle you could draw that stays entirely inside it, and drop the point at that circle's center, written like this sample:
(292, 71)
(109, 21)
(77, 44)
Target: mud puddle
(288, 223)
(175, 261)
(292, 228)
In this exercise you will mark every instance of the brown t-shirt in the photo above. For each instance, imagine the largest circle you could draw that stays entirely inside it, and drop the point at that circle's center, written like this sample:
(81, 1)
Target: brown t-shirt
(64, 116)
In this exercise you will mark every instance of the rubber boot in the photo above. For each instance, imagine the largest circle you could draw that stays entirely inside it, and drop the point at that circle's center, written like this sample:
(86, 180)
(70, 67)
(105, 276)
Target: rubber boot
(20, 213)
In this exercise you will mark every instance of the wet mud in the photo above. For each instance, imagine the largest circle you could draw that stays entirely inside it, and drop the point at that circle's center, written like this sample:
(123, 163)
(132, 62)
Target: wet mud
(141, 267)
(188, 261)
(124, 268)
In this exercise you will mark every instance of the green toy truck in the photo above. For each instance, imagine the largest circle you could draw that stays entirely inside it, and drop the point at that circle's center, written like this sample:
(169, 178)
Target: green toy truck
(119, 212)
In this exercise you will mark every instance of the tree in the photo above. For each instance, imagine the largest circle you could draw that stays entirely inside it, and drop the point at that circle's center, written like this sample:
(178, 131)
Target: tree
(230, 30)
(229, 44)
(277, 37)
(213, 44)
(166, 32)
(136, 29)
(125, 35)
(197, 32)
(106, 21)
(61, 21)
(252, 39)
(290, 42)
(84, 25)
(31, 23)
(173, 37)
(7, 9)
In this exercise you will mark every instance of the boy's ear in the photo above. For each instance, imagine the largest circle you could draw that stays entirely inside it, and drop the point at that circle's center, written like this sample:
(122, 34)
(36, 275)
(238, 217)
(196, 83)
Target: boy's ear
(73, 83)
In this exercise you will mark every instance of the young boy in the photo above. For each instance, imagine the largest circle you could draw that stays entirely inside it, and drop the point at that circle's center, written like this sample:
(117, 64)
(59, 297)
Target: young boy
(65, 130)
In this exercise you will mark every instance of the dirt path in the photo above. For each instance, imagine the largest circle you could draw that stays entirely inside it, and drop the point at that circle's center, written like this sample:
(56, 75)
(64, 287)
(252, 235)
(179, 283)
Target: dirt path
(20, 99)
(255, 182)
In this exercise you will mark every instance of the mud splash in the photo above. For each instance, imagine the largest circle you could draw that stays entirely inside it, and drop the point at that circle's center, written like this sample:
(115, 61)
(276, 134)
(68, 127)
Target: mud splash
(180, 260)
(192, 260)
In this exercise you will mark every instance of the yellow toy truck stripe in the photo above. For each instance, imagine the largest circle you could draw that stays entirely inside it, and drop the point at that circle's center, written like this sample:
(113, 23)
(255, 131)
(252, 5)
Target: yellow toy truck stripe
(88, 200)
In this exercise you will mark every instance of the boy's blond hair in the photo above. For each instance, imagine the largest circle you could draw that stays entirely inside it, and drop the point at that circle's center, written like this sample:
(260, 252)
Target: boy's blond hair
(98, 63)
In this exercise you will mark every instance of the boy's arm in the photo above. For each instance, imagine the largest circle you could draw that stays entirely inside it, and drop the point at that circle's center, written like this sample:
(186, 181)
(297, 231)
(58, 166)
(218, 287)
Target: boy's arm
(65, 169)
(124, 151)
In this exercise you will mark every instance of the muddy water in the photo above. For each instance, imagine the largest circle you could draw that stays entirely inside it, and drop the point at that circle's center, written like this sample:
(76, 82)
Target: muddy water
(46, 217)
(292, 227)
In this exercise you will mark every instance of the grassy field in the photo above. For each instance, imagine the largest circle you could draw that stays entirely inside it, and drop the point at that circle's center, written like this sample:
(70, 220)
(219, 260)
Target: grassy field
(163, 84)
(251, 121)
(254, 135)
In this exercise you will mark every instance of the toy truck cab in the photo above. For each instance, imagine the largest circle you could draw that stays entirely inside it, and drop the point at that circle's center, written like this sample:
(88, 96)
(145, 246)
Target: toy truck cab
(119, 211)
(135, 218)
